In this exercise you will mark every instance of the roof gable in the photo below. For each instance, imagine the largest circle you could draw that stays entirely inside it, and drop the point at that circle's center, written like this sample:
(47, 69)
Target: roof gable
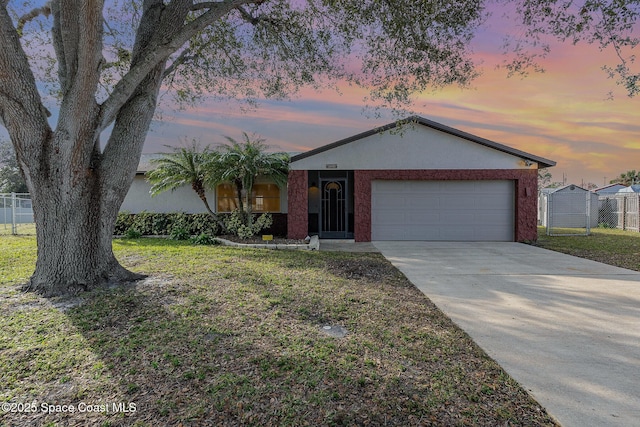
(569, 187)
(447, 134)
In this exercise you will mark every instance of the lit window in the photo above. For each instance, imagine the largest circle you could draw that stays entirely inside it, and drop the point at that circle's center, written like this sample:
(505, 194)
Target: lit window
(227, 201)
(265, 197)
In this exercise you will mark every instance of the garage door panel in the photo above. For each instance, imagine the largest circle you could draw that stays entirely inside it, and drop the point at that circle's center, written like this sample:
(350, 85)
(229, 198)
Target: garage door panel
(390, 200)
(493, 200)
(390, 217)
(452, 202)
(417, 218)
(443, 210)
(490, 219)
(420, 202)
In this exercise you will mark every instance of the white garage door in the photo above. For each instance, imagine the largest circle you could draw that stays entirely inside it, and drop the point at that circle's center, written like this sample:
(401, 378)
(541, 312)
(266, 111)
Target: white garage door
(443, 210)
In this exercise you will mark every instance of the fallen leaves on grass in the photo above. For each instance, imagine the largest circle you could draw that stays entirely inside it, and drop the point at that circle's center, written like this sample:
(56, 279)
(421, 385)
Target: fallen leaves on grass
(226, 337)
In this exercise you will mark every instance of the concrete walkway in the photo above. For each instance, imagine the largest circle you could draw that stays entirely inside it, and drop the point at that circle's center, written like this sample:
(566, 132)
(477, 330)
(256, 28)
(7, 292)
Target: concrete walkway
(567, 329)
(336, 245)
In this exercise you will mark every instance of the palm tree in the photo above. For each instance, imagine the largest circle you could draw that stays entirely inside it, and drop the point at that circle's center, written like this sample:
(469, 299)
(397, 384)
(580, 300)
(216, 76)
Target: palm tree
(627, 178)
(241, 163)
(185, 166)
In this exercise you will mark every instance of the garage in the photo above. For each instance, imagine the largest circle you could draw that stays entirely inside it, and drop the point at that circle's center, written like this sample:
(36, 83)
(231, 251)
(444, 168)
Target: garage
(418, 180)
(449, 210)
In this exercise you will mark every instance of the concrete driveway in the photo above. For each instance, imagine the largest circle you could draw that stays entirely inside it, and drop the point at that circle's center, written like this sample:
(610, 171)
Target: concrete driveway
(567, 329)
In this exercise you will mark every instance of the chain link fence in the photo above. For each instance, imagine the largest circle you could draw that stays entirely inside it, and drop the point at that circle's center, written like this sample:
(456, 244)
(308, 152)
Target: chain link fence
(16, 214)
(573, 211)
(619, 211)
(568, 211)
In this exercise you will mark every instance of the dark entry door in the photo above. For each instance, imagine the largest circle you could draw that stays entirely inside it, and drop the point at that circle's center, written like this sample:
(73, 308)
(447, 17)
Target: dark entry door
(333, 212)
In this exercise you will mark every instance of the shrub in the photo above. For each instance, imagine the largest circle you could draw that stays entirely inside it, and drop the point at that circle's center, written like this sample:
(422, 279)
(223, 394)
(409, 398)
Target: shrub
(166, 224)
(179, 233)
(204, 223)
(236, 223)
(132, 233)
(204, 239)
(124, 221)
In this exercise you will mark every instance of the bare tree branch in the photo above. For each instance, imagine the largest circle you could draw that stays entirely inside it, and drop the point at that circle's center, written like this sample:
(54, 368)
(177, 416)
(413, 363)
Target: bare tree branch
(20, 102)
(151, 56)
(247, 16)
(44, 10)
(181, 59)
(205, 5)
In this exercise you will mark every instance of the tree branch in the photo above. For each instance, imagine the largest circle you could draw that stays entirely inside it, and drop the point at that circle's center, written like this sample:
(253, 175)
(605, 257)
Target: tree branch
(152, 54)
(20, 102)
(247, 16)
(21, 110)
(205, 5)
(44, 10)
(181, 59)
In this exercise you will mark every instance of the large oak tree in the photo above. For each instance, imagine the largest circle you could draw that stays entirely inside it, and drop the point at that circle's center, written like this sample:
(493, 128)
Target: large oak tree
(107, 61)
(108, 76)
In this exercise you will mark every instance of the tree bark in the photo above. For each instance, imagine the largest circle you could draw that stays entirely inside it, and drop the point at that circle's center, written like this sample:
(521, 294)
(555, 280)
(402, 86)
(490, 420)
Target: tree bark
(74, 238)
(77, 188)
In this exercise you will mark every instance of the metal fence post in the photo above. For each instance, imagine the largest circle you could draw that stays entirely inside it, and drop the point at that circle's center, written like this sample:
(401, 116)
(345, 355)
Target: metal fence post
(588, 212)
(624, 213)
(14, 227)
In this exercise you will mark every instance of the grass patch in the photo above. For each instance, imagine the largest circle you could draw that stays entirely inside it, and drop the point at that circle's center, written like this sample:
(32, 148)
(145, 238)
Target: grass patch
(607, 245)
(21, 229)
(226, 336)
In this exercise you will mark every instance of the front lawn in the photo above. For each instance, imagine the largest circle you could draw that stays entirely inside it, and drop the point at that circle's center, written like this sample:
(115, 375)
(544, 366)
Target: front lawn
(221, 336)
(607, 245)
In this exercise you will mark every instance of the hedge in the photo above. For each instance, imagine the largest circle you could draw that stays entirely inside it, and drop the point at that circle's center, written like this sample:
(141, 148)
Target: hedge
(166, 224)
(163, 224)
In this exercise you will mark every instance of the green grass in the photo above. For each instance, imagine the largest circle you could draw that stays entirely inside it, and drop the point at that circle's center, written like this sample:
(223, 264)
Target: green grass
(224, 336)
(607, 245)
(21, 229)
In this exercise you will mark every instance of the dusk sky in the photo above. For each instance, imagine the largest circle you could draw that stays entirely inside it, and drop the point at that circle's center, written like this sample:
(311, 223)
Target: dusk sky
(564, 114)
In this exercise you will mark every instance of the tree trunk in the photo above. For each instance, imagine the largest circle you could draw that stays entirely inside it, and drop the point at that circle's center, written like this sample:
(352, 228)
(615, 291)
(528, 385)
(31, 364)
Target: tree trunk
(77, 188)
(74, 238)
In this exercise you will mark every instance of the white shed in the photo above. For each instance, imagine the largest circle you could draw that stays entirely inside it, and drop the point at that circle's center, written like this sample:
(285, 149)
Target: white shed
(568, 207)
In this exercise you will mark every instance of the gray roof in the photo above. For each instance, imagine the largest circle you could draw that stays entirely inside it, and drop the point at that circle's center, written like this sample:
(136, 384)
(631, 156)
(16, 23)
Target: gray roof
(609, 189)
(542, 162)
(631, 189)
(564, 187)
(145, 162)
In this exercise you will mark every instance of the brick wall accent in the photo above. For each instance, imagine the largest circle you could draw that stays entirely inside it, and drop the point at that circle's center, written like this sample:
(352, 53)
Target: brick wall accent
(526, 190)
(298, 193)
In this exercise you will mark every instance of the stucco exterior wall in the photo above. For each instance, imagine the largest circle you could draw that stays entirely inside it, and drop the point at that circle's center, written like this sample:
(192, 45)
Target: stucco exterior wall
(183, 199)
(414, 147)
(526, 185)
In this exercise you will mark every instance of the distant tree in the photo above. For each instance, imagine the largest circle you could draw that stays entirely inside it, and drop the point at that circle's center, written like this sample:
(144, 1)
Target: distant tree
(591, 186)
(627, 178)
(544, 178)
(11, 179)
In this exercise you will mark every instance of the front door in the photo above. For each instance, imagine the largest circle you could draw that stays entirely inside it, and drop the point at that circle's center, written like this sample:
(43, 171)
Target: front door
(333, 209)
